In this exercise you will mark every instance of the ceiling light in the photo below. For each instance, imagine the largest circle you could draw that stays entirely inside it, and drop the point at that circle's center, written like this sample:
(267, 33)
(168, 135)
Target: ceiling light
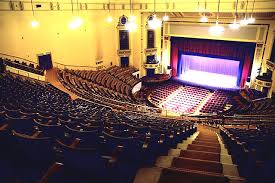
(154, 23)
(204, 19)
(251, 20)
(165, 18)
(34, 23)
(216, 30)
(75, 23)
(109, 19)
(235, 25)
(131, 26)
(132, 18)
(244, 22)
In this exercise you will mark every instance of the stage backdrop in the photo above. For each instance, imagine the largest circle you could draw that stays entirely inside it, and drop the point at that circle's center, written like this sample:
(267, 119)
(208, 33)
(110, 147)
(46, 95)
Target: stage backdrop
(240, 51)
(207, 64)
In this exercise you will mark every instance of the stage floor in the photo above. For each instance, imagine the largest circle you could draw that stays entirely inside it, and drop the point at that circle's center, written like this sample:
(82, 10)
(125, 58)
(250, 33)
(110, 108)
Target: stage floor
(207, 79)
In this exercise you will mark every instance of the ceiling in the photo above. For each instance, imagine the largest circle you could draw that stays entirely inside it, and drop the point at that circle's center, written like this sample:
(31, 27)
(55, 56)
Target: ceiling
(223, 15)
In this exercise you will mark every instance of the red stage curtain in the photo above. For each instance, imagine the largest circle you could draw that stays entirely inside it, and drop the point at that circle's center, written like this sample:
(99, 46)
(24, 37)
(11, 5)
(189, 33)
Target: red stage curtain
(213, 48)
(174, 59)
(246, 69)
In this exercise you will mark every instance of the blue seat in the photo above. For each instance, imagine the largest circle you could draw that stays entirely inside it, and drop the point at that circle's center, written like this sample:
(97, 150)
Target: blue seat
(83, 164)
(35, 157)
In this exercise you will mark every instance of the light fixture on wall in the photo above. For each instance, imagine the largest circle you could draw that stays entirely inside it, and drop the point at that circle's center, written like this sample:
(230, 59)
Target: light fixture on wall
(165, 17)
(235, 25)
(34, 22)
(131, 22)
(153, 21)
(204, 18)
(251, 19)
(244, 21)
(77, 20)
(217, 30)
(109, 18)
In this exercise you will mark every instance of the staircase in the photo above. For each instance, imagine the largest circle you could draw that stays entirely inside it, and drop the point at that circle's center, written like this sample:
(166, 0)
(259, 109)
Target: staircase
(202, 158)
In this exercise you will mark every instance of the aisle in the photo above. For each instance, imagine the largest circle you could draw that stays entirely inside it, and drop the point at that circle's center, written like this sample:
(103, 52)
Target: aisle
(51, 77)
(202, 158)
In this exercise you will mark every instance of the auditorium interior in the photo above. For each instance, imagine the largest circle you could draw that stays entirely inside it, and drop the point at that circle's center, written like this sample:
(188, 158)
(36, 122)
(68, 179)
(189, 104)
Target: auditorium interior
(134, 91)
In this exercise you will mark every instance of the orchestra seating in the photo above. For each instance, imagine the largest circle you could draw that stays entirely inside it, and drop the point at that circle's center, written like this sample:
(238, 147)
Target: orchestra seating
(187, 99)
(161, 92)
(47, 137)
(253, 150)
(23, 66)
(216, 102)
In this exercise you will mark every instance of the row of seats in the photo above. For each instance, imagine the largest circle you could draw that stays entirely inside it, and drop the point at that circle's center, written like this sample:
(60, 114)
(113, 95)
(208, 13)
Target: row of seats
(23, 66)
(216, 102)
(80, 141)
(100, 94)
(161, 92)
(100, 80)
(253, 150)
(124, 74)
(186, 100)
(259, 107)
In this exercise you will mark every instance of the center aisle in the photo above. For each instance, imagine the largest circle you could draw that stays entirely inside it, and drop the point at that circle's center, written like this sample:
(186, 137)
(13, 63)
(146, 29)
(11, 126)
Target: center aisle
(202, 158)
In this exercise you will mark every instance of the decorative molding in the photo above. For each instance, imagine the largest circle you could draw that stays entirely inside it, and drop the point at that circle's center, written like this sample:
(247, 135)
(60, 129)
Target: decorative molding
(167, 38)
(265, 84)
(123, 53)
(270, 65)
(150, 51)
(151, 66)
(267, 6)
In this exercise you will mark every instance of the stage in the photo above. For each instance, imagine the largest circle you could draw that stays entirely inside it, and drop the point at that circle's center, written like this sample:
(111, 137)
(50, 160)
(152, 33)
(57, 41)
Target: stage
(208, 80)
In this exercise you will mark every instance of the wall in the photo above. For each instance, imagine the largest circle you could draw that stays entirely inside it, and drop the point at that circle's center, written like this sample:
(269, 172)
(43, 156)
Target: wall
(96, 39)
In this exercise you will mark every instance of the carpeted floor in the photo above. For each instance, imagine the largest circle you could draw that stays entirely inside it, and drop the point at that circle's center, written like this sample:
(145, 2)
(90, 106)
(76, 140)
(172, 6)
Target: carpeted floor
(201, 158)
(51, 77)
